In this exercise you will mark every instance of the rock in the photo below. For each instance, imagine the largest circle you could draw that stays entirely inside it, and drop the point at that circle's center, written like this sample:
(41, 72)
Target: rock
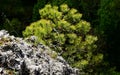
(22, 58)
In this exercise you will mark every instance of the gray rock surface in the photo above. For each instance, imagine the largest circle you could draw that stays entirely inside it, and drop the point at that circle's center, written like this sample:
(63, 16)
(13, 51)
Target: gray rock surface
(18, 57)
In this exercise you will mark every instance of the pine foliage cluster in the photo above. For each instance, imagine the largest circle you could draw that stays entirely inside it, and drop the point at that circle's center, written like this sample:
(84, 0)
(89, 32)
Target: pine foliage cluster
(63, 30)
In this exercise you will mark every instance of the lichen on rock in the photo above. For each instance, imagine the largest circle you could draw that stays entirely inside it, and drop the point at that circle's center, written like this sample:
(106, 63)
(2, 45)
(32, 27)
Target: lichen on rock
(17, 57)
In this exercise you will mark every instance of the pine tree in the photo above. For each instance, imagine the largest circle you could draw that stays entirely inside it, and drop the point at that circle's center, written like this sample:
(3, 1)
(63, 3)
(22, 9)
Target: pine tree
(63, 30)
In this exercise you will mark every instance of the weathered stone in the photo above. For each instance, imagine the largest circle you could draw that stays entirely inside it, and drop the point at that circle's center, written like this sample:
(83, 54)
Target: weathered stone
(22, 58)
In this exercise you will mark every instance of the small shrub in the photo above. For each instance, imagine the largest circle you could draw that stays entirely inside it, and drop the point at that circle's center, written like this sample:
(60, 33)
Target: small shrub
(63, 30)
